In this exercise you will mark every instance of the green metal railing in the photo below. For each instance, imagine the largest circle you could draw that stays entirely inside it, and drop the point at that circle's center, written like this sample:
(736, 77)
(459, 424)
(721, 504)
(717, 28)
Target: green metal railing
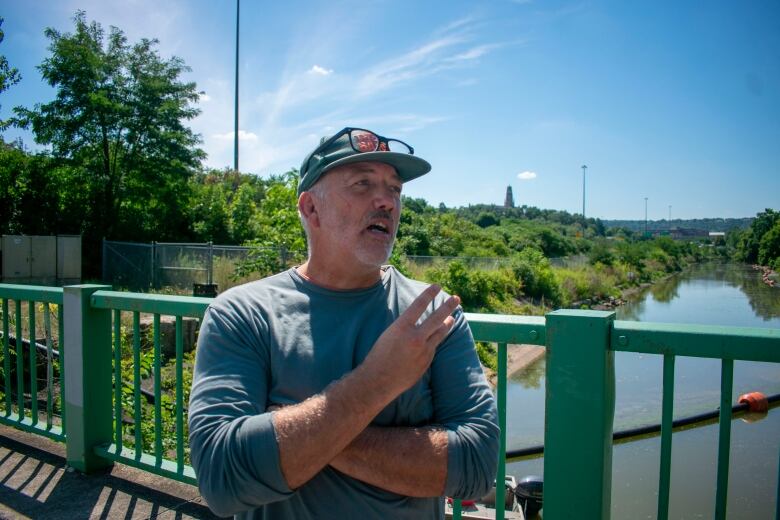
(579, 407)
(20, 414)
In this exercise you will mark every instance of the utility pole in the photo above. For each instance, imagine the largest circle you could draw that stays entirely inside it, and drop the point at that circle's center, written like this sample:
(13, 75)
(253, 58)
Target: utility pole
(645, 216)
(235, 125)
(584, 167)
(670, 217)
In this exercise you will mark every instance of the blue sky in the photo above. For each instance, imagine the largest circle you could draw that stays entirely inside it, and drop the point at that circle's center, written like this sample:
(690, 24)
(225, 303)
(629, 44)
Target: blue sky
(678, 102)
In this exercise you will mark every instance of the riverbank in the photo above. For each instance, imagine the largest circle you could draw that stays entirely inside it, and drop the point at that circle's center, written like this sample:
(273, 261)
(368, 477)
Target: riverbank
(517, 358)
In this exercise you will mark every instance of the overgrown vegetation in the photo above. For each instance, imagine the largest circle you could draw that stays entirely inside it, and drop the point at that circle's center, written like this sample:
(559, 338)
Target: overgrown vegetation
(760, 243)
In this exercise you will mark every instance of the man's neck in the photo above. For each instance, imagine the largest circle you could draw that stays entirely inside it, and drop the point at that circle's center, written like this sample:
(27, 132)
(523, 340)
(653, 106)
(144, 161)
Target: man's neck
(338, 278)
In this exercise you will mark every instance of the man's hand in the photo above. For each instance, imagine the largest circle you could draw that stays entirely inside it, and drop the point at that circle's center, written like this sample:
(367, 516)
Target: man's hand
(405, 350)
(312, 433)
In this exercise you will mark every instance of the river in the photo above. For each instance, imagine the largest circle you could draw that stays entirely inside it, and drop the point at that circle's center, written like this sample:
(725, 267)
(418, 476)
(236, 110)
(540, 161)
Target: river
(714, 294)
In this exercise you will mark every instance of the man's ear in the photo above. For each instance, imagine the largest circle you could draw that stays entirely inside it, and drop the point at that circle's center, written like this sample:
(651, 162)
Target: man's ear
(307, 207)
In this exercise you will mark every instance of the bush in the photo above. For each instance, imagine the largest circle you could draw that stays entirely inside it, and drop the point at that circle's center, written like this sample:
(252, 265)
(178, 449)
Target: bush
(536, 277)
(479, 291)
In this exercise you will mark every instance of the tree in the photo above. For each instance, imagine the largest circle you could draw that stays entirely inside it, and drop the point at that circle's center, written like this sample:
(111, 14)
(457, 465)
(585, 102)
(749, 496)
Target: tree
(118, 121)
(9, 76)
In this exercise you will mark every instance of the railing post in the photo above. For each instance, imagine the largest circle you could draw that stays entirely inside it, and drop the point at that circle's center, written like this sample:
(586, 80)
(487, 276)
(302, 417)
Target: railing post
(580, 409)
(88, 384)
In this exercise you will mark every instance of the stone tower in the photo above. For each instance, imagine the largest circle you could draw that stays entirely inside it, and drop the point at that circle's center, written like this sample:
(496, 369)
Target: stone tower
(509, 201)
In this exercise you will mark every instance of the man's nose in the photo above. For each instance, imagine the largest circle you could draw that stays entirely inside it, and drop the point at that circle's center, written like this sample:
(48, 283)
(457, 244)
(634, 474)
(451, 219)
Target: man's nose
(385, 198)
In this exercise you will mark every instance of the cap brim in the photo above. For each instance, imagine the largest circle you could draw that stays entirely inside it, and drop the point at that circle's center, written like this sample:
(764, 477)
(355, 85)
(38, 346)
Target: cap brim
(406, 165)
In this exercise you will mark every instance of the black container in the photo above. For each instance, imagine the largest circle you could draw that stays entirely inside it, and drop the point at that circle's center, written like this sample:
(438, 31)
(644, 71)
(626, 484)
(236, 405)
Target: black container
(529, 494)
(207, 290)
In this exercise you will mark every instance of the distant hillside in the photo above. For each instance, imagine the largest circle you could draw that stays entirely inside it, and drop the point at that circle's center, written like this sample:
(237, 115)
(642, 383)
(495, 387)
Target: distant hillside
(707, 224)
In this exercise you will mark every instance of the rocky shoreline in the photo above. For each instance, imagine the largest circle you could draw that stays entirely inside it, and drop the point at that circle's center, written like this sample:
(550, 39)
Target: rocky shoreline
(768, 276)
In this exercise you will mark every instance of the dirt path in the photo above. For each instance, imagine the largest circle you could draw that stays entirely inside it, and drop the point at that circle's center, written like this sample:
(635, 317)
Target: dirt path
(518, 357)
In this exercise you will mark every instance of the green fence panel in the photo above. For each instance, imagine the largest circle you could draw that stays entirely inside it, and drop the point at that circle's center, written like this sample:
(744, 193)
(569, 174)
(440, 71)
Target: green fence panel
(580, 408)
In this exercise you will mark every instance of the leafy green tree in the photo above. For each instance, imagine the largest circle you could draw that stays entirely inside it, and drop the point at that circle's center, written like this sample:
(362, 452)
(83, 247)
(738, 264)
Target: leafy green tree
(242, 210)
(769, 247)
(9, 76)
(749, 244)
(118, 119)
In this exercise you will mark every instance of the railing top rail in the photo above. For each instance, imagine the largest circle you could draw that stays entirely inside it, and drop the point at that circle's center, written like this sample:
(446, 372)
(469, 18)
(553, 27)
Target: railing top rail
(151, 303)
(38, 293)
(503, 328)
(709, 341)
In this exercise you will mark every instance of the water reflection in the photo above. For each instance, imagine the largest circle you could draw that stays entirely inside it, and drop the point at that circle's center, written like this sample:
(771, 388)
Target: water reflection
(714, 294)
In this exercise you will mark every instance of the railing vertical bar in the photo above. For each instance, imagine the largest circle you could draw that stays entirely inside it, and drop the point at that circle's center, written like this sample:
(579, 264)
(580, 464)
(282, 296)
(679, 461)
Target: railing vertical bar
(777, 498)
(157, 397)
(49, 367)
(457, 509)
(33, 364)
(61, 347)
(501, 403)
(118, 379)
(667, 416)
(179, 397)
(724, 437)
(6, 359)
(137, 384)
(19, 359)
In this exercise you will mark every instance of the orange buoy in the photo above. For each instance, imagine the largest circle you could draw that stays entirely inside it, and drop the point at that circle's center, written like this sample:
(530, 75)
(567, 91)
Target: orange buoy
(756, 402)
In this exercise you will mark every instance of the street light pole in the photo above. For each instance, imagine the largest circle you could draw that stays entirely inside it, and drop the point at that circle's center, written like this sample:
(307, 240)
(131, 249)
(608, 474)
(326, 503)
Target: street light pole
(670, 217)
(235, 125)
(584, 167)
(645, 216)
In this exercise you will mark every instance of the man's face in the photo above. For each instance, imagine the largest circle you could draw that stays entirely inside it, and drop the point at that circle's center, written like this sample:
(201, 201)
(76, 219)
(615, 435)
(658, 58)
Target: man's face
(359, 208)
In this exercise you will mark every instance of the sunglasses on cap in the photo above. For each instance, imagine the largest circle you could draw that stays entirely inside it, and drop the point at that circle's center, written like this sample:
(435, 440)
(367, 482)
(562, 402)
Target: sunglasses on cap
(363, 141)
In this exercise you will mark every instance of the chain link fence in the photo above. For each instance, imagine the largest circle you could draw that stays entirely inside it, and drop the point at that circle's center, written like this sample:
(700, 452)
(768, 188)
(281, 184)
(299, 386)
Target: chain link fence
(182, 266)
(143, 267)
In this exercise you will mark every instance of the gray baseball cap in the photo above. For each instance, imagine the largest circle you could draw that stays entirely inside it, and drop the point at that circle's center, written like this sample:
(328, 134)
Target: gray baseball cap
(352, 145)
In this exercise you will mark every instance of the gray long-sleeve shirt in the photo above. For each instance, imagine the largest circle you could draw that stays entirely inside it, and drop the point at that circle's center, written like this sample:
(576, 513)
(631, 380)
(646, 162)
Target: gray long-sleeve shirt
(283, 339)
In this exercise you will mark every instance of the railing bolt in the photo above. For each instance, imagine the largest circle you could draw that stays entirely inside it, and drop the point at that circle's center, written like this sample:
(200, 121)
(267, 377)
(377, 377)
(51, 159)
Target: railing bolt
(533, 334)
(623, 341)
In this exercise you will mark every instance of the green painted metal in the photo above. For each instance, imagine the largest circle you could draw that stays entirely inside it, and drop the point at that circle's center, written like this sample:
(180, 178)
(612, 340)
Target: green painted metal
(151, 303)
(744, 343)
(61, 348)
(49, 367)
(157, 393)
(179, 396)
(33, 354)
(667, 417)
(118, 378)
(724, 437)
(39, 293)
(19, 359)
(137, 417)
(14, 420)
(580, 408)
(147, 462)
(500, 328)
(87, 359)
(501, 403)
(7, 359)
(457, 509)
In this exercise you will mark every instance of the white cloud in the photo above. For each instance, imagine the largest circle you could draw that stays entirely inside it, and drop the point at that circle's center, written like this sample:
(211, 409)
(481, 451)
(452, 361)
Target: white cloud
(526, 176)
(320, 71)
(205, 98)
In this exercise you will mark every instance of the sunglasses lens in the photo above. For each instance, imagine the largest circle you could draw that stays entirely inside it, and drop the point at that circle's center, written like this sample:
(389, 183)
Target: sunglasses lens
(398, 146)
(364, 141)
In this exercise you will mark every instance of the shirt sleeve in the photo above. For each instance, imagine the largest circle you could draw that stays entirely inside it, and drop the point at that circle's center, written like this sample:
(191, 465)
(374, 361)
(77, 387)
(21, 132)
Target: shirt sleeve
(465, 406)
(232, 440)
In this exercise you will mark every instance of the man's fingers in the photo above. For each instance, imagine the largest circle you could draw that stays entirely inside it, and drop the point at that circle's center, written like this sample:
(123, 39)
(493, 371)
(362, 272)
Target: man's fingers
(441, 331)
(437, 317)
(418, 306)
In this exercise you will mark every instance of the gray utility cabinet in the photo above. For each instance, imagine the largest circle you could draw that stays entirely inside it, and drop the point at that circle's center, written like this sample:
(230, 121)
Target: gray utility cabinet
(42, 259)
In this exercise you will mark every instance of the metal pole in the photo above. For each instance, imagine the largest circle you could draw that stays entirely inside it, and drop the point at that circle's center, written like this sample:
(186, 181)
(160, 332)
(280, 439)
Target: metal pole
(645, 216)
(670, 217)
(584, 167)
(235, 125)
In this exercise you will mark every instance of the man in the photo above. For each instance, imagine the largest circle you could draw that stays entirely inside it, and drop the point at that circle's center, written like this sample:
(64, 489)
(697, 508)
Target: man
(340, 388)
